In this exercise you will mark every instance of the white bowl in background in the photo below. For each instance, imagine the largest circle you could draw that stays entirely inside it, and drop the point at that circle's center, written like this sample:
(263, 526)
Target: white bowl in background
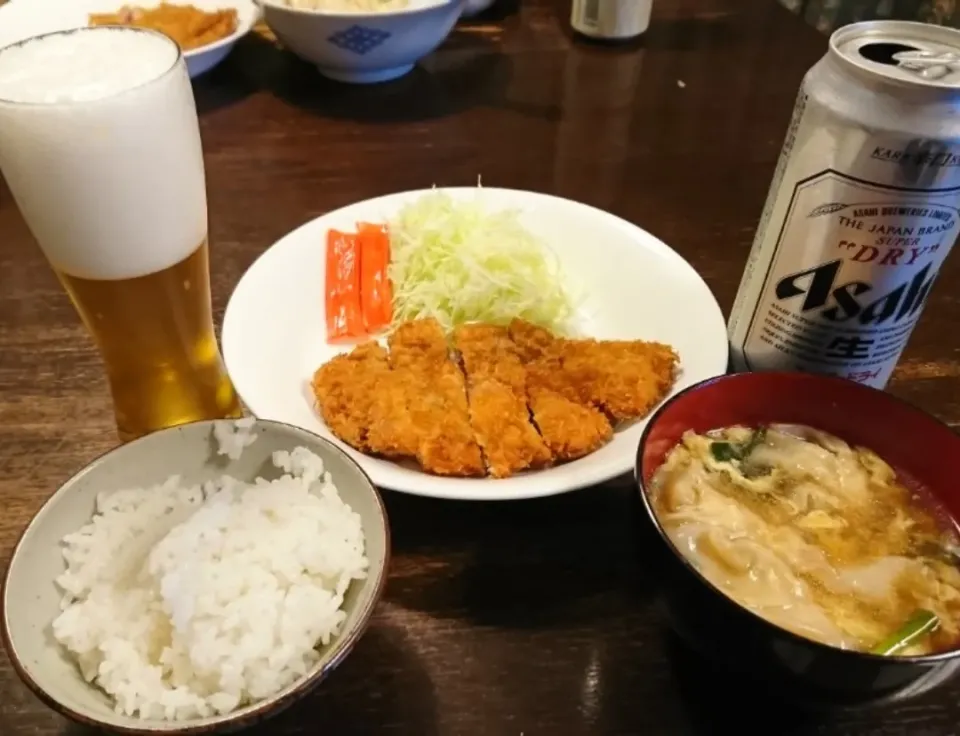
(23, 19)
(363, 48)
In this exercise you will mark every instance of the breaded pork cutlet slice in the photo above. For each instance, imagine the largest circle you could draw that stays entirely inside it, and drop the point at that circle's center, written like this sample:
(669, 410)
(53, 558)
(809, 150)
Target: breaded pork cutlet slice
(436, 398)
(496, 390)
(344, 388)
(570, 424)
(391, 431)
(570, 429)
(487, 351)
(533, 342)
(625, 379)
(541, 353)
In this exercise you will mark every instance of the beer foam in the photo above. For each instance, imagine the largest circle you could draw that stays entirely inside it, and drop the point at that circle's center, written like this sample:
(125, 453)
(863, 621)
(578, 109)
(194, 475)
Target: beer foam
(100, 145)
(79, 66)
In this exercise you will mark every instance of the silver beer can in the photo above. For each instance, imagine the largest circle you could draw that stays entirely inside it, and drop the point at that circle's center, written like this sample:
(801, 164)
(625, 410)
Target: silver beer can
(610, 20)
(862, 210)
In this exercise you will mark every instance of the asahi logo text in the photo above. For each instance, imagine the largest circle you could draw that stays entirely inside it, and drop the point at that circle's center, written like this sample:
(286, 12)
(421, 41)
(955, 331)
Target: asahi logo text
(827, 295)
(906, 238)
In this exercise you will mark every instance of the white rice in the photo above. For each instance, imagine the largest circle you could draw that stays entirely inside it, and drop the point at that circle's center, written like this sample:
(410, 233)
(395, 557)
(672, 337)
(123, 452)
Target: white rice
(233, 437)
(189, 601)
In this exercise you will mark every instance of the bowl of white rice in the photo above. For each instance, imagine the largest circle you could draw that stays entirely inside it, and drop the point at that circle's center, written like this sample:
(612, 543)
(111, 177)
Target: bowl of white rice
(362, 41)
(197, 580)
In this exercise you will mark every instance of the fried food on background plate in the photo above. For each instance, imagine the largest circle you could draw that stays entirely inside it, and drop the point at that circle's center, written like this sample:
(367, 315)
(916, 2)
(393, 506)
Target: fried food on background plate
(188, 25)
(519, 399)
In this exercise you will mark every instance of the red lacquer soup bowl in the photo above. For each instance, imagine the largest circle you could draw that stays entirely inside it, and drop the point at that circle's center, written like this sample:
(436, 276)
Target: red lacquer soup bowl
(921, 449)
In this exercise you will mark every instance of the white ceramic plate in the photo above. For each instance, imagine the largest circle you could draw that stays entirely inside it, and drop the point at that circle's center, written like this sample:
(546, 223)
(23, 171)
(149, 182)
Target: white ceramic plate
(22, 19)
(633, 287)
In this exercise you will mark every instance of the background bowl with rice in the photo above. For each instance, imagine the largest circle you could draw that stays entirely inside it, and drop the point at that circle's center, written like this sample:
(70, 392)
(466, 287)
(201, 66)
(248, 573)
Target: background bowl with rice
(362, 47)
(32, 600)
(919, 448)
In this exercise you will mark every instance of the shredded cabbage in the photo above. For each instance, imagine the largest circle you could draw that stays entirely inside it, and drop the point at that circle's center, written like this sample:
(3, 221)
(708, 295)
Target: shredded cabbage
(457, 262)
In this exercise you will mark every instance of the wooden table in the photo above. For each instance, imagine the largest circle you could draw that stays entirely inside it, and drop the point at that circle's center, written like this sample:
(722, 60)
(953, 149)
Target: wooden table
(530, 618)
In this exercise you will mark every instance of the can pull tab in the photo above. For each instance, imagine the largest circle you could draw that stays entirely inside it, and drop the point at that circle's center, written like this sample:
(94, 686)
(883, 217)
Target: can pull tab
(928, 64)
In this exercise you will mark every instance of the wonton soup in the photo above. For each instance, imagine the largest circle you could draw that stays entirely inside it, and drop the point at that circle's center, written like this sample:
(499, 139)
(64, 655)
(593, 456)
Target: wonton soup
(815, 536)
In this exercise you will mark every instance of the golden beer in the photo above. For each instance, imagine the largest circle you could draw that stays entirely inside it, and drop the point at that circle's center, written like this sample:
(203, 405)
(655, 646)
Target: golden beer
(163, 363)
(100, 145)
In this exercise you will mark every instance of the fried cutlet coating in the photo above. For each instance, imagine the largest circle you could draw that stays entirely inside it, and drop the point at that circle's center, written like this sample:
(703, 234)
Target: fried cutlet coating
(448, 445)
(501, 421)
(496, 387)
(391, 431)
(624, 379)
(488, 352)
(569, 429)
(345, 389)
(571, 426)
(436, 399)
(419, 342)
(532, 342)
(523, 395)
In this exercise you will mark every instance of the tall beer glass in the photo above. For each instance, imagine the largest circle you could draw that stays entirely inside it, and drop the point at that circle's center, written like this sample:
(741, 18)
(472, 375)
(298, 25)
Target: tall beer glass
(100, 145)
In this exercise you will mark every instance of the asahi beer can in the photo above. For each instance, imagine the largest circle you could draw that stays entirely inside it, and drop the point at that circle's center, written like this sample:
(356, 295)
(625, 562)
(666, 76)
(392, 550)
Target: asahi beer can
(863, 208)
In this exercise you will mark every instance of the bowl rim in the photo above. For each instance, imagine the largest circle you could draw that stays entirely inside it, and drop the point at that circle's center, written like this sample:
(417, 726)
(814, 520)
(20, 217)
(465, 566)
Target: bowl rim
(360, 17)
(249, 714)
(643, 491)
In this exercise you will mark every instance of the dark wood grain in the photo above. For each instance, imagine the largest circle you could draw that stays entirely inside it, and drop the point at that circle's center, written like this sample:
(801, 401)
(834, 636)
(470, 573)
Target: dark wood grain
(531, 618)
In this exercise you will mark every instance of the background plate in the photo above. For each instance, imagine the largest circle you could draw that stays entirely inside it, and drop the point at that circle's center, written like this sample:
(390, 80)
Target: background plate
(631, 286)
(22, 19)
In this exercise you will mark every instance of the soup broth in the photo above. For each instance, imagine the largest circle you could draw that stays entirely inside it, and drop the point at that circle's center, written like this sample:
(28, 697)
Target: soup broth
(816, 536)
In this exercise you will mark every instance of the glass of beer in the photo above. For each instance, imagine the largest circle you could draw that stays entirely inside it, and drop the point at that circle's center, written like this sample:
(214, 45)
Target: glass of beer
(100, 146)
